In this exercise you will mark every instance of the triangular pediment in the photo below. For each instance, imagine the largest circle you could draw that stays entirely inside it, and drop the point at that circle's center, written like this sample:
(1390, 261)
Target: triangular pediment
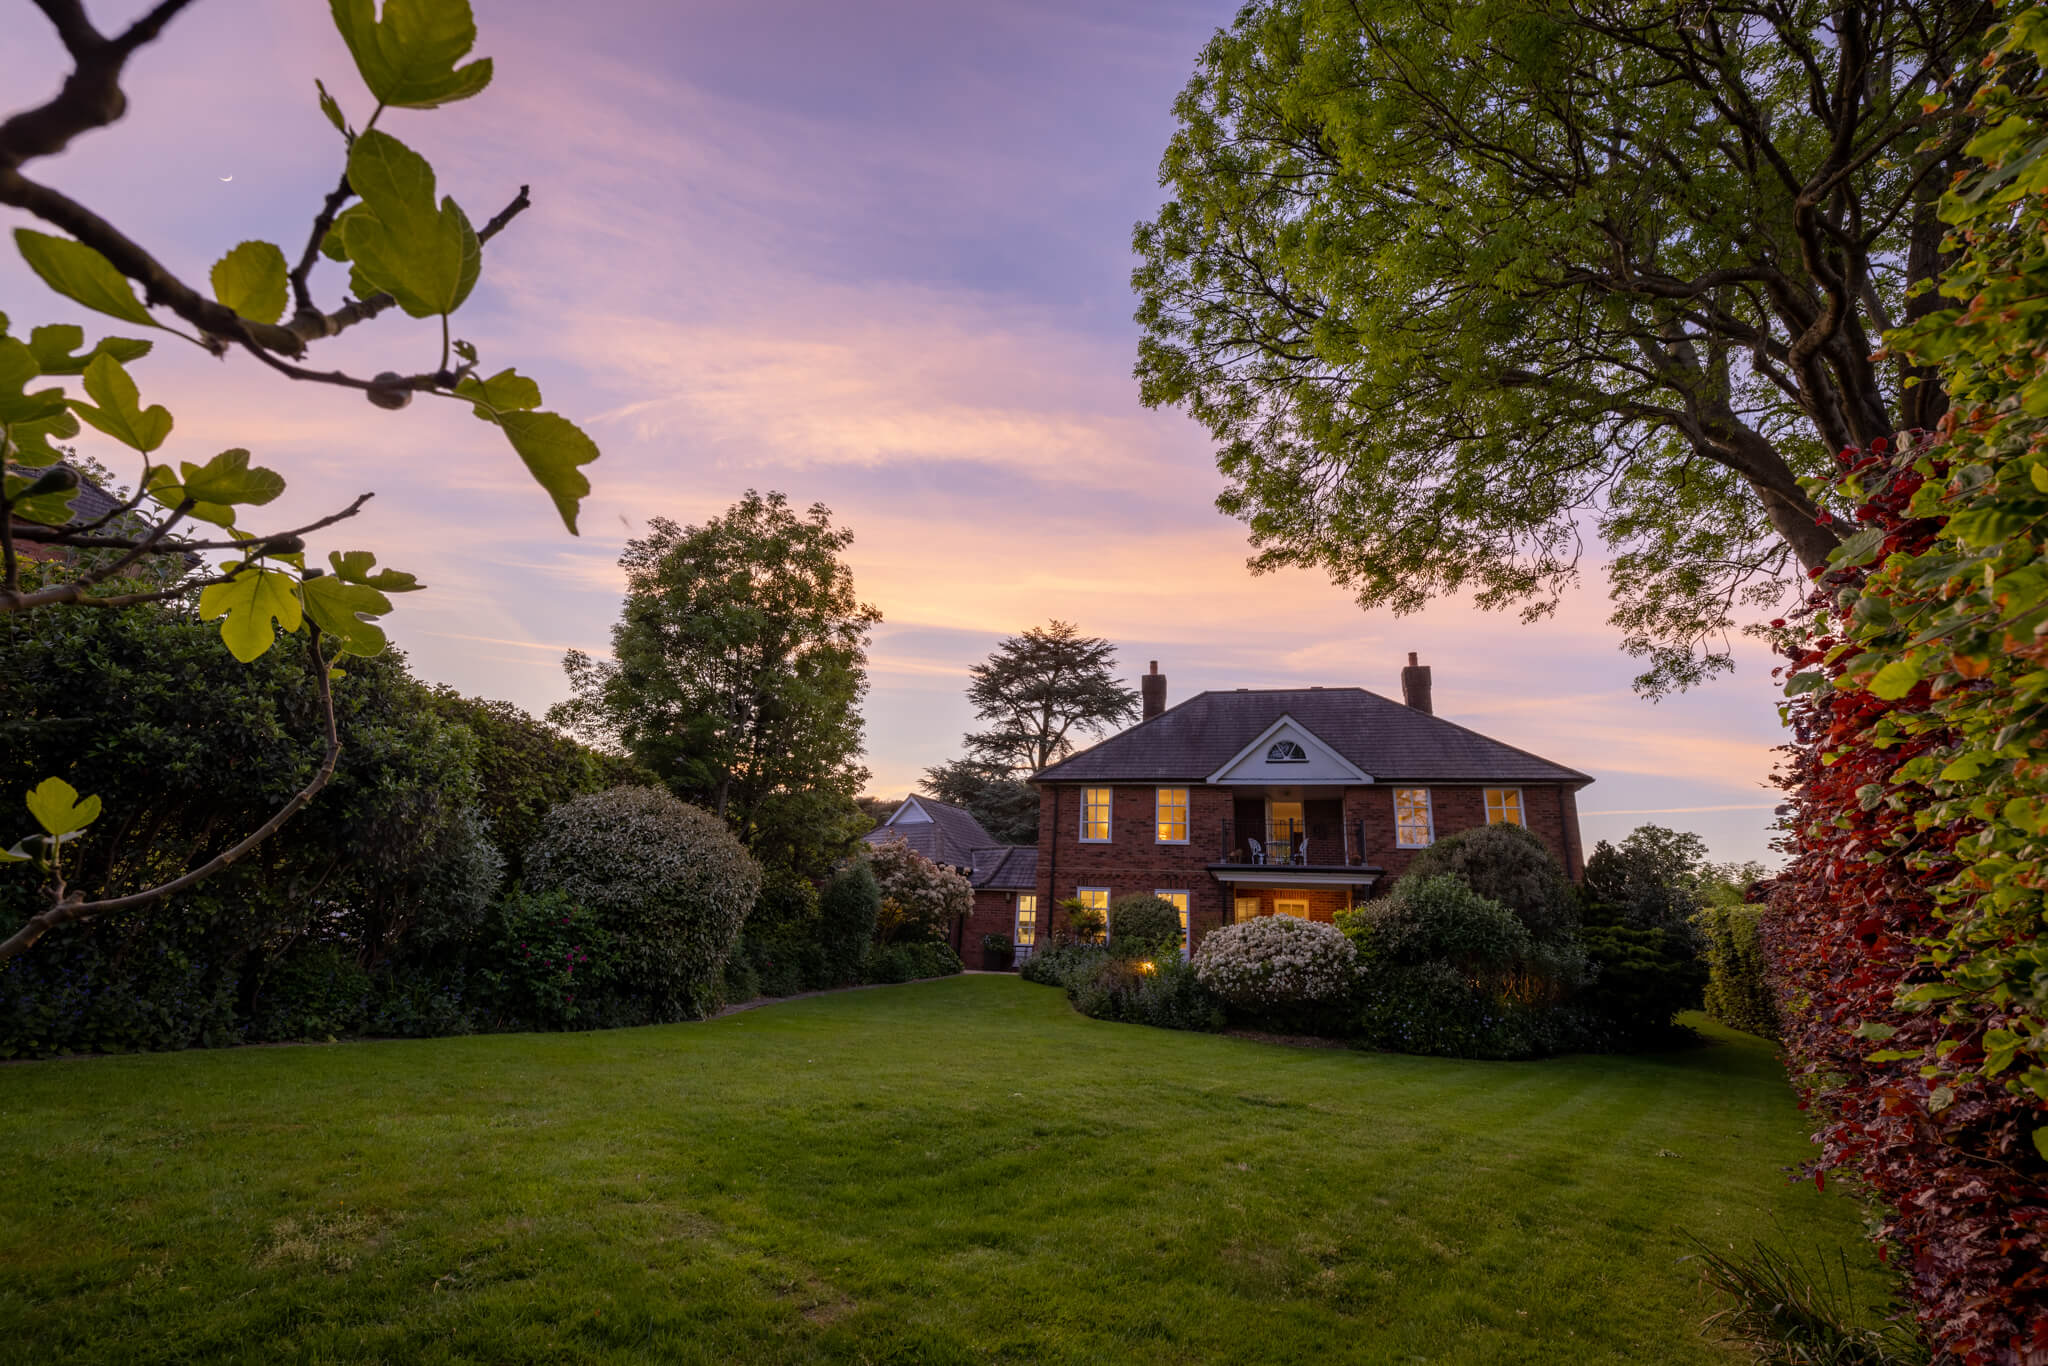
(910, 813)
(1288, 754)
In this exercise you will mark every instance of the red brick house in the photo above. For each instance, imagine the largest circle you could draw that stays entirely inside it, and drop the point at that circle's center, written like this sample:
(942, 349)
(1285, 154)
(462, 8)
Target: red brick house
(1292, 801)
(1004, 876)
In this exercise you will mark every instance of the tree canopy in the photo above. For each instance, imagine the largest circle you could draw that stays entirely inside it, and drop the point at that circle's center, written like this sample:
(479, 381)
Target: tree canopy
(739, 663)
(1006, 806)
(1454, 285)
(1040, 689)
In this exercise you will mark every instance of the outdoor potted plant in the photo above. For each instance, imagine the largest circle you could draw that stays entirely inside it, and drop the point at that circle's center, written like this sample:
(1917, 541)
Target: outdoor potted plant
(997, 952)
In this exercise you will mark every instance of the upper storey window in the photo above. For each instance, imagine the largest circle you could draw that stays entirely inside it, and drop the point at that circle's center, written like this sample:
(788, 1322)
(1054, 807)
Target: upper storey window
(1413, 828)
(1095, 814)
(1172, 815)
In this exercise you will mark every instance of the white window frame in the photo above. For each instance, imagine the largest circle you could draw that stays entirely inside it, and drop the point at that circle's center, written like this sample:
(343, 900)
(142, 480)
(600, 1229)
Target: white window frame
(1428, 815)
(1018, 923)
(1108, 816)
(1187, 804)
(1521, 806)
(1186, 908)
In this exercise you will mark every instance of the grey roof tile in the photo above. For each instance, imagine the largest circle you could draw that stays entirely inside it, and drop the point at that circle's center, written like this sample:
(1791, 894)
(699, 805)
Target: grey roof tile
(1386, 739)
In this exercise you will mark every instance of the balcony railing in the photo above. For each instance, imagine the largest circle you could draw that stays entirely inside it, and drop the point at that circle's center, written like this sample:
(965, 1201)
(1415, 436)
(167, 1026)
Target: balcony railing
(1298, 844)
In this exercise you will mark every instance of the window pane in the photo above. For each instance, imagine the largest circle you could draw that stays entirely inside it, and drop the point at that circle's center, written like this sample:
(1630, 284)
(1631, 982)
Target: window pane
(1283, 823)
(1411, 817)
(1095, 813)
(1173, 814)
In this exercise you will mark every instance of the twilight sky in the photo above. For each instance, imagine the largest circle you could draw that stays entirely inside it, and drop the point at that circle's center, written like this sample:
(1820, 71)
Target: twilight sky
(870, 254)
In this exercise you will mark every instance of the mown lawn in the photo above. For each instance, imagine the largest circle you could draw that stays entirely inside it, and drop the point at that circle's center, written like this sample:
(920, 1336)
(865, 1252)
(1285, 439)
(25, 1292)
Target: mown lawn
(961, 1170)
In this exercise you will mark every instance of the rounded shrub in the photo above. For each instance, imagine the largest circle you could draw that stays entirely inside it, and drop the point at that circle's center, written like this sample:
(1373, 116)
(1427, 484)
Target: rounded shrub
(1439, 919)
(669, 882)
(1144, 926)
(1277, 967)
(1507, 864)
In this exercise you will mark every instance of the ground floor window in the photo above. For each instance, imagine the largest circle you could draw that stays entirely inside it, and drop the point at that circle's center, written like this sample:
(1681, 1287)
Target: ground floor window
(1290, 906)
(1180, 903)
(1027, 919)
(1245, 908)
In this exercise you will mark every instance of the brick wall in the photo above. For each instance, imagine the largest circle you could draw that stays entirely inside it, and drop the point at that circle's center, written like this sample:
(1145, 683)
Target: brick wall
(1134, 861)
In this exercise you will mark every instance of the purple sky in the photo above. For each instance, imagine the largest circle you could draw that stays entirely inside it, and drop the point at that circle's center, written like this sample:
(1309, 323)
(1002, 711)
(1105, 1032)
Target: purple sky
(871, 255)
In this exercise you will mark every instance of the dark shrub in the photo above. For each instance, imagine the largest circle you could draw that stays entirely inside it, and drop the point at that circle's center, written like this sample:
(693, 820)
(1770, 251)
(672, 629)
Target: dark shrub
(1738, 994)
(548, 963)
(669, 881)
(1162, 992)
(910, 962)
(1506, 863)
(1063, 965)
(1645, 978)
(315, 991)
(847, 912)
(1144, 926)
(1438, 918)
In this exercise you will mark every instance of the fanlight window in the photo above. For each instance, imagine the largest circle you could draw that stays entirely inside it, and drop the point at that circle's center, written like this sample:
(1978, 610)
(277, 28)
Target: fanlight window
(1286, 752)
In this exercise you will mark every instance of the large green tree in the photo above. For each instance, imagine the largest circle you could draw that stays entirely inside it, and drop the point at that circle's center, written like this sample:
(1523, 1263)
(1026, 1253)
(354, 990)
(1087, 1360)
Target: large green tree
(1040, 689)
(739, 663)
(1456, 284)
(1006, 806)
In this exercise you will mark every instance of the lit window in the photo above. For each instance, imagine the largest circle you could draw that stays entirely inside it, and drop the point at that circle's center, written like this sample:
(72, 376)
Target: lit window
(1095, 814)
(1027, 919)
(1297, 909)
(1180, 903)
(1283, 823)
(1504, 806)
(1412, 828)
(1244, 908)
(1173, 815)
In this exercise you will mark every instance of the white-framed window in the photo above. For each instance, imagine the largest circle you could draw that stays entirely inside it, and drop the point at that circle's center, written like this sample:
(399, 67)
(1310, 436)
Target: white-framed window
(1290, 906)
(1180, 903)
(1095, 803)
(1414, 827)
(1283, 823)
(1504, 806)
(1027, 919)
(1171, 815)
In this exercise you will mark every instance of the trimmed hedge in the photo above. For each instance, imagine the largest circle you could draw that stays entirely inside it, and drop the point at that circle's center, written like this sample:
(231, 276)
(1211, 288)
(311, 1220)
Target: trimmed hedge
(1739, 992)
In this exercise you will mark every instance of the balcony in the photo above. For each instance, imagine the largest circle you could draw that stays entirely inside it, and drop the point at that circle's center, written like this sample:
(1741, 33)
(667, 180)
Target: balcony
(1295, 844)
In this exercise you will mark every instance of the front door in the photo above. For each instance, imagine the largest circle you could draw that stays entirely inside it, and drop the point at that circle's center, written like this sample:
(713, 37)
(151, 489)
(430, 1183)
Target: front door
(1247, 908)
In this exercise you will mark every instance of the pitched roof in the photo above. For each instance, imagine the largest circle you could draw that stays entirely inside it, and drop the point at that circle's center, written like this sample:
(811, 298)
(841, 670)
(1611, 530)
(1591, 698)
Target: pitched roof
(950, 835)
(1011, 868)
(1387, 740)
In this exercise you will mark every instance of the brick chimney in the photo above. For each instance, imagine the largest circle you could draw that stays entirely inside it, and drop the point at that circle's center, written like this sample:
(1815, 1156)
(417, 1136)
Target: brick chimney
(1415, 685)
(1152, 688)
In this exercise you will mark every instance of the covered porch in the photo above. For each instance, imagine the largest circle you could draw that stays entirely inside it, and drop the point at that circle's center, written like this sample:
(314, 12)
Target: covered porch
(1295, 827)
(1306, 892)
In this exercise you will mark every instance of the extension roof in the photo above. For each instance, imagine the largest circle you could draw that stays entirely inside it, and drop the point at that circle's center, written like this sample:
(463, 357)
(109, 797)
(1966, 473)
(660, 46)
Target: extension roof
(1011, 868)
(1385, 740)
(942, 832)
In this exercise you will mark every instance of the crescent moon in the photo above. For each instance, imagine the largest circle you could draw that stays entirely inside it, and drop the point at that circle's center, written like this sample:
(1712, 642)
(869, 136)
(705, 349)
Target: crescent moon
(225, 179)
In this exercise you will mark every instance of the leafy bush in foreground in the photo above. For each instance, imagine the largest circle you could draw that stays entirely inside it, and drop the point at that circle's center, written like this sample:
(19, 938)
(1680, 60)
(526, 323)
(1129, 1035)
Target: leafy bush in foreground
(1144, 926)
(669, 882)
(1279, 970)
(912, 962)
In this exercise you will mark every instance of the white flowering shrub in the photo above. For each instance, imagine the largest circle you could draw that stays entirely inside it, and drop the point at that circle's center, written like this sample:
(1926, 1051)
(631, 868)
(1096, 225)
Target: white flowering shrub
(670, 882)
(1277, 964)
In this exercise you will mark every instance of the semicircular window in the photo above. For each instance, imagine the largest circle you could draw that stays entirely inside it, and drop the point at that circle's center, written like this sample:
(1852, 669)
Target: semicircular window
(1286, 752)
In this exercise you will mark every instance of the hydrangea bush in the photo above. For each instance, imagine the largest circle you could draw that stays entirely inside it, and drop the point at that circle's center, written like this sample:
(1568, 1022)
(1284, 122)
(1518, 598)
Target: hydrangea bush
(1277, 965)
(669, 882)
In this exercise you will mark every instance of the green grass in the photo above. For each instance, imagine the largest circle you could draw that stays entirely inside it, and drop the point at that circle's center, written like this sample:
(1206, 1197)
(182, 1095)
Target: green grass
(960, 1170)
